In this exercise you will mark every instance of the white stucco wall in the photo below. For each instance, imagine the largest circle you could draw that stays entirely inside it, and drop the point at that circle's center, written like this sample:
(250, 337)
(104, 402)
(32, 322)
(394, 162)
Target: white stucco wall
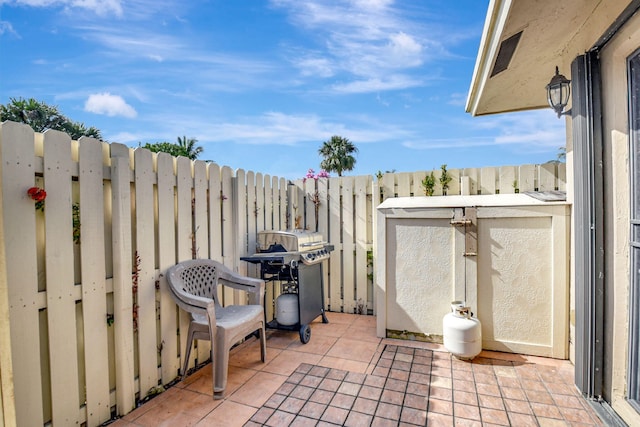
(617, 206)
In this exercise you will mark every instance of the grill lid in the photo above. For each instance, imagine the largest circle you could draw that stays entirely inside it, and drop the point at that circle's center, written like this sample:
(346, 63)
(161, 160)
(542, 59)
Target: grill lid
(290, 240)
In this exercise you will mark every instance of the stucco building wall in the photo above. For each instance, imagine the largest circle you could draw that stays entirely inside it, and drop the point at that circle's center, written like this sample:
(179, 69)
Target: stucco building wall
(617, 210)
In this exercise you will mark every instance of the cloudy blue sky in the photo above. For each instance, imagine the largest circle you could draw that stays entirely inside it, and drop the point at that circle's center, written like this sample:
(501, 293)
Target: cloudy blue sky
(262, 83)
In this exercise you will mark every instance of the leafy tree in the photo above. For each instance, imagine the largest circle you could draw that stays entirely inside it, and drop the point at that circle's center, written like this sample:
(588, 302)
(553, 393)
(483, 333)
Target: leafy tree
(185, 147)
(41, 117)
(189, 147)
(562, 154)
(337, 155)
(445, 179)
(429, 183)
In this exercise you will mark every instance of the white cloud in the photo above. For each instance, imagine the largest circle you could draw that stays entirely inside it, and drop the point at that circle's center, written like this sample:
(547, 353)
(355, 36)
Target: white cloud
(7, 28)
(367, 39)
(404, 50)
(111, 105)
(531, 131)
(373, 4)
(100, 7)
(458, 99)
(319, 67)
(378, 84)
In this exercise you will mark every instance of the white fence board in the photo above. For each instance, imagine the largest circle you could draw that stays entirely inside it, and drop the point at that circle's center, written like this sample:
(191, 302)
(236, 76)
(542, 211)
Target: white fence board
(526, 178)
(17, 167)
(144, 268)
(122, 295)
(61, 308)
(362, 188)
(547, 177)
(200, 207)
(170, 351)
(348, 245)
(215, 213)
(267, 207)
(335, 237)
(240, 215)
(507, 180)
(184, 236)
(323, 228)
(228, 226)
(94, 305)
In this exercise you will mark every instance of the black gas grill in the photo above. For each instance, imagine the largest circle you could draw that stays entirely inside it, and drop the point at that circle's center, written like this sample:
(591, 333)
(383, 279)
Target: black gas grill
(293, 259)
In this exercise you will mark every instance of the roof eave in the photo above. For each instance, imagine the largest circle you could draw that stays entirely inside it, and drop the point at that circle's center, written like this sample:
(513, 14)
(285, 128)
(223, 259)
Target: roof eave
(497, 15)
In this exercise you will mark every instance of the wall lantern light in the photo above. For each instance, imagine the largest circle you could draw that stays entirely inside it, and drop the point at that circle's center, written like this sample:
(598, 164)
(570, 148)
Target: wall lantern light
(558, 91)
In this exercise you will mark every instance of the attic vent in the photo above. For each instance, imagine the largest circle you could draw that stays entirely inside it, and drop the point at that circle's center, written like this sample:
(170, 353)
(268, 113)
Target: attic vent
(507, 48)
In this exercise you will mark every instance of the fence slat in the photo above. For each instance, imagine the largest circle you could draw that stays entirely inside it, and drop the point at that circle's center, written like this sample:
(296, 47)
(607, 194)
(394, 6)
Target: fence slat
(253, 222)
(348, 246)
(507, 180)
(201, 232)
(257, 209)
(242, 212)
(228, 229)
(561, 176)
(362, 188)
(122, 295)
(17, 166)
(61, 308)
(472, 174)
(166, 258)
(201, 227)
(404, 184)
(184, 236)
(268, 204)
(335, 237)
(215, 213)
(454, 185)
(94, 305)
(526, 178)
(282, 206)
(323, 228)
(487, 181)
(309, 191)
(145, 270)
(547, 177)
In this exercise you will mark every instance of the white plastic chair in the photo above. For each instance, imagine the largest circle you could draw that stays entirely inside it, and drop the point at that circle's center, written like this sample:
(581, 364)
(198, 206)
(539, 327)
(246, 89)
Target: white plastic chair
(194, 286)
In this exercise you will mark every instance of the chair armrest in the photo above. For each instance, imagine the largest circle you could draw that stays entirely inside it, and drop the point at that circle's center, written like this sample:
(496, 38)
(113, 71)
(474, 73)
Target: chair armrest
(254, 287)
(189, 302)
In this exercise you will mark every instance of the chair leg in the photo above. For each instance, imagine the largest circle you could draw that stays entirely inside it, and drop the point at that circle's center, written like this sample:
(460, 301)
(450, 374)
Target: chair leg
(187, 351)
(220, 368)
(263, 343)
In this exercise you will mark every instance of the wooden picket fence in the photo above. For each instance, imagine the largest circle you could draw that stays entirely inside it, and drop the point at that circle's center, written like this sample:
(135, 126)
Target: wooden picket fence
(87, 326)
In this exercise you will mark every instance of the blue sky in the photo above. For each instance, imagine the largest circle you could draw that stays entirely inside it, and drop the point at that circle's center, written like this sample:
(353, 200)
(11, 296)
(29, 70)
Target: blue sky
(262, 83)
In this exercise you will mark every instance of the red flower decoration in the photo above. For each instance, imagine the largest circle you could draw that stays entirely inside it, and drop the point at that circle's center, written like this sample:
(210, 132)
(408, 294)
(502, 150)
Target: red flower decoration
(38, 194)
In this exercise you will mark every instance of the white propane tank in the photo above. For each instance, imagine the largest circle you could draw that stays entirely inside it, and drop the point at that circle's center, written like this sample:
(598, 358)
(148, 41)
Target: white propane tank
(287, 309)
(461, 333)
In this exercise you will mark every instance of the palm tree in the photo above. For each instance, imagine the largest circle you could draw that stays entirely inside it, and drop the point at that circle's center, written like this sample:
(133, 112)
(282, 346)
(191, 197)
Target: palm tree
(188, 147)
(337, 154)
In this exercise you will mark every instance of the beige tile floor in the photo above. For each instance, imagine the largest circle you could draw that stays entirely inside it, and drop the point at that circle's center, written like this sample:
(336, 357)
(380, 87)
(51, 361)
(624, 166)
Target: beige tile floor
(347, 376)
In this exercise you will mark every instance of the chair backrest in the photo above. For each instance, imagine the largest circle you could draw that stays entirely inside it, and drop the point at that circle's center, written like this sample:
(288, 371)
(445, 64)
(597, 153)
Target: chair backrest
(194, 283)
